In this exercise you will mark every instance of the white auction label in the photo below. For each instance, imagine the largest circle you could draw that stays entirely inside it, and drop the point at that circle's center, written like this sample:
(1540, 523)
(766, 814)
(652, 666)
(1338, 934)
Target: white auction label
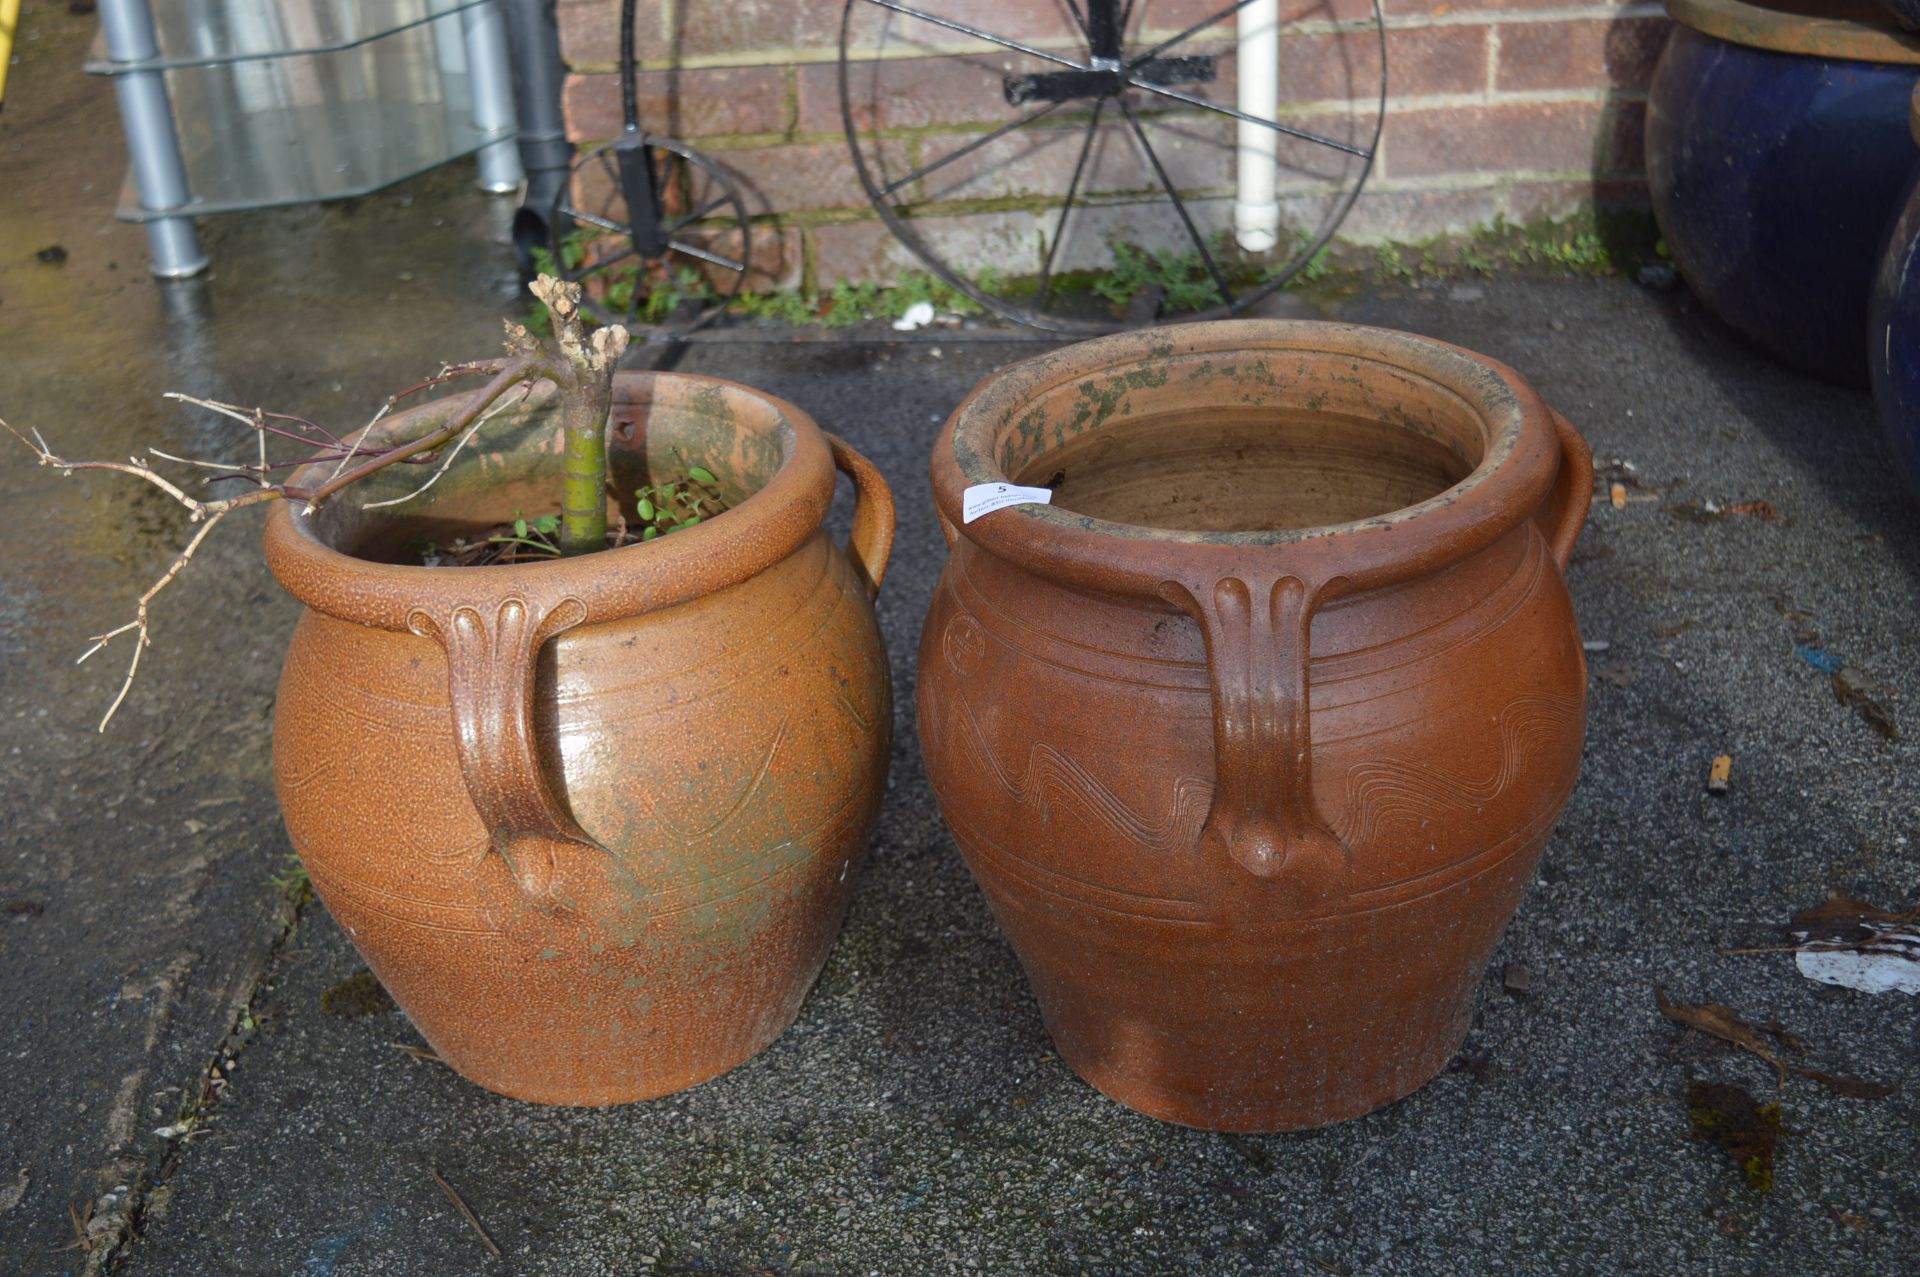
(985, 498)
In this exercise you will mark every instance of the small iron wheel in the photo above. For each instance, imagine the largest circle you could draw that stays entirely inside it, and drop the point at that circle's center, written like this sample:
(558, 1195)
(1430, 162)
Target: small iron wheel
(675, 266)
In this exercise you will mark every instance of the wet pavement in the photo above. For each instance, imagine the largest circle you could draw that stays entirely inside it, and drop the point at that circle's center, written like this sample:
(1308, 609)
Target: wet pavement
(915, 1120)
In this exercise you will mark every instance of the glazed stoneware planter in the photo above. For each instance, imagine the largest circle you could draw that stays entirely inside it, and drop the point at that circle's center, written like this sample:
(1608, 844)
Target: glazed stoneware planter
(1254, 735)
(1893, 334)
(593, 822)
(1776, 153)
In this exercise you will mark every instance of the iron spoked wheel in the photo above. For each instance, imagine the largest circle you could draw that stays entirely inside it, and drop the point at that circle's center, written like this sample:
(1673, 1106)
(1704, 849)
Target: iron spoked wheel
(1084, 145)
(670, 270)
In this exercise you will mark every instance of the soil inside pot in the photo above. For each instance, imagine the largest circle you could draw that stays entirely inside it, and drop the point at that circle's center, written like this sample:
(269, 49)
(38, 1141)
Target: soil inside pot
(1249, 469)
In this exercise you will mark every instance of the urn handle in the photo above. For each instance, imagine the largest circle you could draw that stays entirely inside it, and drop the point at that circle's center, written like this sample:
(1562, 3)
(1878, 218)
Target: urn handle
(491, 654)
(1263, 815)
(870, 544)
(1565, 510)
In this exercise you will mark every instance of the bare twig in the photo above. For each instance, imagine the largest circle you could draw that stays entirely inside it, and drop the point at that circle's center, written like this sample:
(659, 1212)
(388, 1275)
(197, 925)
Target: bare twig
(512, 372)
(467, 1212)
(352, 459)
(196, 510)
(142, 636)
(1817, 946)
(448, 372)
(499, 405)
(79, 1241)
(256, 419)
(239, 469)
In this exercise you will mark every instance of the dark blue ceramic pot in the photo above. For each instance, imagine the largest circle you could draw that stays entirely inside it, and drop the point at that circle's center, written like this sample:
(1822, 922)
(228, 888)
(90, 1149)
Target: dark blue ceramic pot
(1893, 336)
(1774, 175)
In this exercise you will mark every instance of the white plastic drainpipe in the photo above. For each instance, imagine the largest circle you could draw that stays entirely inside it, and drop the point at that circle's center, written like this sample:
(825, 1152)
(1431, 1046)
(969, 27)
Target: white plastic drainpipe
(1256, 206)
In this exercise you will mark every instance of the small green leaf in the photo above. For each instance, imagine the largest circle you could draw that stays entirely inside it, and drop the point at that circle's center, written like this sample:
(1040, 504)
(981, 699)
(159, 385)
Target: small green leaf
(647, 509)
(691, 520)
(547, 523)
(650, 534)
(519, 527)
(700, 474)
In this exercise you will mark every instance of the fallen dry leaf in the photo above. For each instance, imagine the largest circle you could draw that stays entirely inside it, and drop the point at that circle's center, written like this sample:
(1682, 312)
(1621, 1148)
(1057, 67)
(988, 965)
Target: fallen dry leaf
(1851, 687)
(1762, 510)
(1792, 1041)
(1842, 908)
(1854, 1088)
(1849, 1219)
(1723, 1023)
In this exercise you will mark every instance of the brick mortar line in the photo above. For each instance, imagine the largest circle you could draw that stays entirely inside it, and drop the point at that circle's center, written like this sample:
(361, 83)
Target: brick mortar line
(1497, 97)
(1487, 179)
(827, 56)
(769, 140)
(1437, 183)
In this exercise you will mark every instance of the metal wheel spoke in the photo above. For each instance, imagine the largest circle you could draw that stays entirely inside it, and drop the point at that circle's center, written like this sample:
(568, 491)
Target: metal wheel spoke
(700, 212)
(594, 219)
(1170, 41)
(1078, 19)
(1004, 43)
(1166, 183)
(587, 268)
(1303, 134)
(681, 246)
(970, 147)
(1066, 209)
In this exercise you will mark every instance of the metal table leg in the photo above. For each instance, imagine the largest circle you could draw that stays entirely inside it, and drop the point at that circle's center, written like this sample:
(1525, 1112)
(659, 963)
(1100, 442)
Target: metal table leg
(146, 116)
(490, 78)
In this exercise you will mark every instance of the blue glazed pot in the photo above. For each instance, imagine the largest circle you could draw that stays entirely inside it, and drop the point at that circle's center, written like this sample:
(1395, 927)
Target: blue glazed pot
(1893, 336)
(1773, 177)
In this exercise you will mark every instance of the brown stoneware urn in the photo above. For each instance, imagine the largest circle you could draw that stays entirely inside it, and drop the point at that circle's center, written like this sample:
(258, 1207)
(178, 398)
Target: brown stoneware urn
(1254, 734)
(594, 821)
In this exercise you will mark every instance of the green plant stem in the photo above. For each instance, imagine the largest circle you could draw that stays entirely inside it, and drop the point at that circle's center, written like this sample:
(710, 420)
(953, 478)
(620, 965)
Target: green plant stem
(583, 468)
(584, 380)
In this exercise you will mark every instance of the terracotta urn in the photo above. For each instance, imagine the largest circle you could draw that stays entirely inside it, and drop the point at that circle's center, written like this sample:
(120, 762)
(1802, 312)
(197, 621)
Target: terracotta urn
(1254, 734)
(593, 822)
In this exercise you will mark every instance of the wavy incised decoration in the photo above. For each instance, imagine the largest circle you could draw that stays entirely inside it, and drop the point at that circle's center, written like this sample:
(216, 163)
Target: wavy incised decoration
(1383, 790)
(1050, 775)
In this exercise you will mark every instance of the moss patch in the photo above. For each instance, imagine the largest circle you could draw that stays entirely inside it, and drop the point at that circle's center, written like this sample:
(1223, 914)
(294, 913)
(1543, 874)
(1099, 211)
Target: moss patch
(357, 996)
(1733, 1119)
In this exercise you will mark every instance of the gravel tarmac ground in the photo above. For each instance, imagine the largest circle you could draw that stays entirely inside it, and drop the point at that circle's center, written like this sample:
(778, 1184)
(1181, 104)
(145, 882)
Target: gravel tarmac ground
(915, 1120)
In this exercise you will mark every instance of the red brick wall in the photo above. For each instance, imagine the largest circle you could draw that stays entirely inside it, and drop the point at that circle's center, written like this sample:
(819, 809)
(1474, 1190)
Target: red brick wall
(1521, 108)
